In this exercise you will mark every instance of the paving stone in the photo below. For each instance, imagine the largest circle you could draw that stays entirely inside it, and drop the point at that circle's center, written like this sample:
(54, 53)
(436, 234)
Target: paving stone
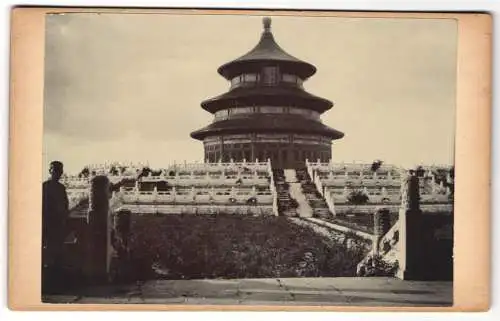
(275, 292)
(298, 284)
(270, 297)
(262, 284)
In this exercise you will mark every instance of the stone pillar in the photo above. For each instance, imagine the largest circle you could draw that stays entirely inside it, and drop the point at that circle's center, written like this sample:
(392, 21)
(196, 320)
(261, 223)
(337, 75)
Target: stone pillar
(120, 265)
(382, 222)
(411, 258)
(381, 225)
(98, 245)
(193, 193)
(155, 193)
(212, 194)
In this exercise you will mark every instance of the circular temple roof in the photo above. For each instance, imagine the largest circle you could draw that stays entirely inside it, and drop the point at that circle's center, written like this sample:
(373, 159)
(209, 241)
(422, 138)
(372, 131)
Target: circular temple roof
(267, 51)
(269, 124)
(279, 96)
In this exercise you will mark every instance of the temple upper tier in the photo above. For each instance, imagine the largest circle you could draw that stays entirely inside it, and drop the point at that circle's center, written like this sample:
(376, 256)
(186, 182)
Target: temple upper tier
(267, 113)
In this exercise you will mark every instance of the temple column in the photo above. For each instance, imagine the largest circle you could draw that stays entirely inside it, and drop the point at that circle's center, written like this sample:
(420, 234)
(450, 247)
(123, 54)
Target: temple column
(221, 148)
(252, 150)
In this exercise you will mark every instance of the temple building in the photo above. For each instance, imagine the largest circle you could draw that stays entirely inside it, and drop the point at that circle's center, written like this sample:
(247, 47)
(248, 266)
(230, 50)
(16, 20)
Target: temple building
(267, 114)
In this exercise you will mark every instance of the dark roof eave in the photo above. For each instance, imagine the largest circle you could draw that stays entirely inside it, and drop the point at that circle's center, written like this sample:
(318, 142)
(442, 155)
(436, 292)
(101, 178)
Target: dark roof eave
(214, 106)
(213, 130)
(270, 94)
(201, 134)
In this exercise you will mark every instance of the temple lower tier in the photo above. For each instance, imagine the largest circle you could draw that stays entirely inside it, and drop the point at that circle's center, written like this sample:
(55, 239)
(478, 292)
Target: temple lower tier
(284, 151)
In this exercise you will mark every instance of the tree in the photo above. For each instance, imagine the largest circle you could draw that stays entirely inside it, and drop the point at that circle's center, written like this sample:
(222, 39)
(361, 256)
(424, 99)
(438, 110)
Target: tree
(144, 172)
(376, 165)
(84, 173)
(358, 197)
(419, 171)
(113, 171)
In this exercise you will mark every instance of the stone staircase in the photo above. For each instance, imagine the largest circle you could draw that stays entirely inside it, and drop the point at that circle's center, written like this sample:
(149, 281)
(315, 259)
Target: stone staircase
(316, 201)
(295, 191)
(286, 205)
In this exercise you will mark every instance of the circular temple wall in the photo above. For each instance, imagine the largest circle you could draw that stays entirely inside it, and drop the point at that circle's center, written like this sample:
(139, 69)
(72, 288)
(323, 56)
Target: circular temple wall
(284, 150)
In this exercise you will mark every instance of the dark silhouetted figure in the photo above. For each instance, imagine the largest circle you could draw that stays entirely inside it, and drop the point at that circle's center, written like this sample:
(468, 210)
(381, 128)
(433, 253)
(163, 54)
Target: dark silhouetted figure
(54, 217)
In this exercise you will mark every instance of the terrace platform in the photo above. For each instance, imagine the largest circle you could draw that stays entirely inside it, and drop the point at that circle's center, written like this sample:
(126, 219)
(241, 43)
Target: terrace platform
(378, 291)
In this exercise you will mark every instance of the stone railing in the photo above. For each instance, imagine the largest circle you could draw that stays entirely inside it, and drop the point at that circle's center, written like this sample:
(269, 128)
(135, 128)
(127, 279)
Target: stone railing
(400, 249)
(76, 197)
(220, 166)
(370, 208)
(174, 209)
(363, 209)
(357, 181)
(388, 244)
(209, 180)
(319, 184)
(274, 194)
(193, 196)
(384, 242)
(75, 182)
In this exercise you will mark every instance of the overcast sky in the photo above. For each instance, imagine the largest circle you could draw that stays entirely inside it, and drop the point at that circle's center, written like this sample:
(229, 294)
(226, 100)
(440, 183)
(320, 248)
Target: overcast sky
(128, 87)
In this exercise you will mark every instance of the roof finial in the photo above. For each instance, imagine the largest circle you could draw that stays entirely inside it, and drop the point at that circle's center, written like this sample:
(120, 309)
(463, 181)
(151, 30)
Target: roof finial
(267, 24)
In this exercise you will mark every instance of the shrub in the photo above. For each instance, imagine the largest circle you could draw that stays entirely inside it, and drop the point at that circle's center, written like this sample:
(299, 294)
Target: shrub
(376, 165)
(376, 266)
(358, 198)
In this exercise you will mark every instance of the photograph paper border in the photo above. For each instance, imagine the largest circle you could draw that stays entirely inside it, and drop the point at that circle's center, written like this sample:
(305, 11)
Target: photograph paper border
(471, 284)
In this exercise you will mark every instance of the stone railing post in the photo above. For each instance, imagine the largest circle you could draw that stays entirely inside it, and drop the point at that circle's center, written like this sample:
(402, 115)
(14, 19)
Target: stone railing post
(96, 257)
(381, 226)
(120, 234)
(410, 240)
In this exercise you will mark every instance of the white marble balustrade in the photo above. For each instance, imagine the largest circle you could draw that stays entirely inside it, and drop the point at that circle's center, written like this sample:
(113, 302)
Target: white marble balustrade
(208, 180)
(220, 166)
(194, 196)
(76, 196)
(204, 209)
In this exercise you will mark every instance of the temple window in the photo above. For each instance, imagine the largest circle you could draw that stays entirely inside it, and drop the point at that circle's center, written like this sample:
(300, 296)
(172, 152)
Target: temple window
(235, 81)
(249, 77)
(243, 111)
(291, 79)
(270, 76)
(244, 79)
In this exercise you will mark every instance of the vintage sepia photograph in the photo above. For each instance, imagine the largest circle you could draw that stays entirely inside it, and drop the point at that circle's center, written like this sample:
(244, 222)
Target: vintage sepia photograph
(230, 159)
